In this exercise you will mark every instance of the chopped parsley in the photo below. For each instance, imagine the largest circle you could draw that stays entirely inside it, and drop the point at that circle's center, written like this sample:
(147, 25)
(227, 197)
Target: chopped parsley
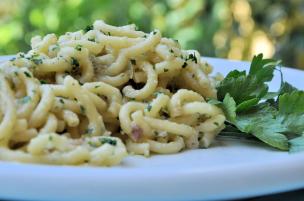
(165, 70)
(50, 138)
(184, 65)
(35, 59)
(91, 39)
(154, 32)
(108, 141)
(82, 109)
(61, 101)
(75, 65)
(96, 86)
(192, 57)
(27, 74)
(78, 47)
(171, 51)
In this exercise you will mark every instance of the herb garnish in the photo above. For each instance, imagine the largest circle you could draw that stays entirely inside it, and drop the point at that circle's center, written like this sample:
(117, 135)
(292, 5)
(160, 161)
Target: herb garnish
(192, 57)
(78, 47)
(276, 121)
(75, 65)
(108, 141)
(27, 74)
(82, 109)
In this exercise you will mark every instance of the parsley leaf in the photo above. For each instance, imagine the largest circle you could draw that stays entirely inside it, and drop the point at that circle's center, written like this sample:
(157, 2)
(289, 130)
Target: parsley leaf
(296, 144)
(252, 86)
(229, 107)
(110, 141)
(291, 110)
(292, 103)
(262, 123)
(276, 121)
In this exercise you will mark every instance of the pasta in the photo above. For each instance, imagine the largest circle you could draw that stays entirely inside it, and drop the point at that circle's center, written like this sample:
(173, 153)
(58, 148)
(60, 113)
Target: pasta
(92, 96)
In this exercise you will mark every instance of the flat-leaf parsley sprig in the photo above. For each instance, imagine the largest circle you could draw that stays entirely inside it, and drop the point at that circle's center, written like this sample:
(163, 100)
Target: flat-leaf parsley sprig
(275, 118)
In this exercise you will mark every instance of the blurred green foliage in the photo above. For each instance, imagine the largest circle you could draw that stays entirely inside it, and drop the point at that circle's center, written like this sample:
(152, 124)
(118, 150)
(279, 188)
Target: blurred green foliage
(235, 29)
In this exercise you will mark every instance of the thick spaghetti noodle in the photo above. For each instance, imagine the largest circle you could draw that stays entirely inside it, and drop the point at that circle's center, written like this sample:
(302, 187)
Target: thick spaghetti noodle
(82, 97)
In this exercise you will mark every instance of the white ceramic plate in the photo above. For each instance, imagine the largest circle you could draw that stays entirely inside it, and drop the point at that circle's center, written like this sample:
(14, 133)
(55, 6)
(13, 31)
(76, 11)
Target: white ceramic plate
(228, 170)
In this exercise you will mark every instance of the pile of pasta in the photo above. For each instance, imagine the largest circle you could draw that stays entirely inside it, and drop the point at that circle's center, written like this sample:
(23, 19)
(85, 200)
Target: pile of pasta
(92, 96)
